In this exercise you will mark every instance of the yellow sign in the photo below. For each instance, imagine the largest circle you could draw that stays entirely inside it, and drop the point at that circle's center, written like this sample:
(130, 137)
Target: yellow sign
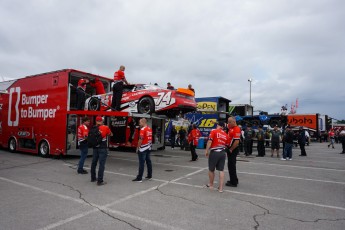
(210, 106)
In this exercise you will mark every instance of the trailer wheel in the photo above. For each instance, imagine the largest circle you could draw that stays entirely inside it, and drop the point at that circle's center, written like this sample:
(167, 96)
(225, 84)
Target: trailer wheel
(94, 104)
(12, 145)
(43, 149)
(146, 105)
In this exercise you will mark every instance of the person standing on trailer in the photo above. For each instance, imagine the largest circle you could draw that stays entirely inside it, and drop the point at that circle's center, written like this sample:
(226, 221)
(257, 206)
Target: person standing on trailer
(193, 138)
(98, 85)
(144, 150)
(100, 153)
(81, 95)
(83, 132)
(119, 80)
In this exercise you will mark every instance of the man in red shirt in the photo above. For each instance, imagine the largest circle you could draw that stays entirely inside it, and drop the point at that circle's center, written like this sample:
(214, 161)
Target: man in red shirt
(98, 85)
(331, 135)
(217, 142)
(119, 79)
(83, 131)
(193, 138)
(234, 135)
(144, 150)
(100, 152)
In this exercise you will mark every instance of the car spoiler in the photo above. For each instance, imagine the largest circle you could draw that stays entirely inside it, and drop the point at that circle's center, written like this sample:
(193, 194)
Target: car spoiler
(185, 91)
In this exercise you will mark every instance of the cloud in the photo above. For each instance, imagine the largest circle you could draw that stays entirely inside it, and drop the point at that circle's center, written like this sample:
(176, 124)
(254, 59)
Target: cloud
(291, 49)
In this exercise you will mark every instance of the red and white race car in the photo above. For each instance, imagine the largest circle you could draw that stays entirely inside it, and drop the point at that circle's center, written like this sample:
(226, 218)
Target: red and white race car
(142, 98)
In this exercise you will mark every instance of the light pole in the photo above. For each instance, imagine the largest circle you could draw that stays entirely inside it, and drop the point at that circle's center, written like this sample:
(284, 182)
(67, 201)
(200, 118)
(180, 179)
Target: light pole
(250, 91)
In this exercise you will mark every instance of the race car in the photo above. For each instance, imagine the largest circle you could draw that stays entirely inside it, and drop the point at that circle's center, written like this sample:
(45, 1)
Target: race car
(147, 99)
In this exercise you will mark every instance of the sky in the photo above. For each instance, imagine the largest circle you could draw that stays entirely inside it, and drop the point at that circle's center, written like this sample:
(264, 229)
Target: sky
(290, 49)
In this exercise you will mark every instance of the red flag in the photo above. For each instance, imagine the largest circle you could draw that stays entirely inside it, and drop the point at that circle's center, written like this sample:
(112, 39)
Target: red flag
(296, 102)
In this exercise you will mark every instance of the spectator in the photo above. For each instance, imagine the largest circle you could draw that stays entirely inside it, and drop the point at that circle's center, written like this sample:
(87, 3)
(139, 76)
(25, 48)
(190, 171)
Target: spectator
(144, 150)
(182, 137)
(169, 86)
(331, 135)
(234, 135)
(248, 143)
(173, 134)
(217, 142)
(342, 139)
(302, 141)
(191, 88)
(81, 95)
(193, 138)
(83, 132)
(288, 139)
(261, 142)
(98, 85)
(119, 80)
(276, 138)
(100, 153)
(267, 137)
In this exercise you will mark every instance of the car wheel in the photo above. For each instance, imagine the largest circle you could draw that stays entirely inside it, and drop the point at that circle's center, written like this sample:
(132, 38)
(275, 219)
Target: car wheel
(146, 105)
(43, 149)
(94, 104)
(12, 145)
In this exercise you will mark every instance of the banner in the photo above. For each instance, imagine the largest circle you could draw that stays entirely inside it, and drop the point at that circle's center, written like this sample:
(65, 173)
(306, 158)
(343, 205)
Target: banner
(309, 121)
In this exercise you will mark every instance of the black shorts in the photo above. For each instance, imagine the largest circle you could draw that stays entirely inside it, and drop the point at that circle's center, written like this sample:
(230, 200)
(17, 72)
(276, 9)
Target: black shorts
(275, 145)
(216, 160)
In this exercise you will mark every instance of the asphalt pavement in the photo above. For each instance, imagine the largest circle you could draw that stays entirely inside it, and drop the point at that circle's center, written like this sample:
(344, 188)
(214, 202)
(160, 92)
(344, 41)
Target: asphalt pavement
(304, 193)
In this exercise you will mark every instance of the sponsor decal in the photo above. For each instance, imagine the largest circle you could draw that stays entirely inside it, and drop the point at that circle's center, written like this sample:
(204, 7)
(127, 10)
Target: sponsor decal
(303, 120)
(210, 106)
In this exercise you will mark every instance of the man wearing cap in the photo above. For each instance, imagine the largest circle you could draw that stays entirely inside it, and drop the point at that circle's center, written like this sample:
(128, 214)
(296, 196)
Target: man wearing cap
(301, 141)
(288, 139)
(100, 152)
(83, 132)
(261, 142)
(217, 142)
(119, 80)
(235, 136)
(276, 138)
(144, 150)
(81, 95)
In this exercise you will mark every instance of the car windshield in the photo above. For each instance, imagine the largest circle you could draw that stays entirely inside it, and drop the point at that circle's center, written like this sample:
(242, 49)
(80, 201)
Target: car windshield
(151, 87)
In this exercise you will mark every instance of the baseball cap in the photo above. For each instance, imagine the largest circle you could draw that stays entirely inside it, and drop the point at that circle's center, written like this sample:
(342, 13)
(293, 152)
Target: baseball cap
(99, 118)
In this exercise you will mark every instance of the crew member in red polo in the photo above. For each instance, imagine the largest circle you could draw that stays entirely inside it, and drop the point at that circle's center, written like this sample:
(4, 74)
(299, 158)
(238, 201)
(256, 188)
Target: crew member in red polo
(119, 79)
(83, 132)
(144, 150)
(217, 142)
(234, 135)
(98, 85)
(193, 138)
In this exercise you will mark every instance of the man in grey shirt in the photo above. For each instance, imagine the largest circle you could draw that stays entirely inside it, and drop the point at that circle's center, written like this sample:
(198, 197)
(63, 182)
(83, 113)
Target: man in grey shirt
(276, 138)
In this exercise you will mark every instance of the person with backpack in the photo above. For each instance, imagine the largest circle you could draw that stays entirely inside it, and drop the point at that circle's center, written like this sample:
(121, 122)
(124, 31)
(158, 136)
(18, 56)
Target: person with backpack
(97, 139)
(144, 150)
(83, 132)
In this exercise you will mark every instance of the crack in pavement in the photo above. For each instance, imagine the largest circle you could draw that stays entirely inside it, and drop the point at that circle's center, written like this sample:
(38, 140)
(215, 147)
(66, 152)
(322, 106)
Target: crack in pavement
(268, 212)
(90, 204)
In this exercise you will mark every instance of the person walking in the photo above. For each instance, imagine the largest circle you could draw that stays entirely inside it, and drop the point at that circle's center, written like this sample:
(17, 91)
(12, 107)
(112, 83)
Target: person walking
(233, 150)
(276, 138)
(173, 134)
(261, 142)
(248, 140)
(288, 138)
(100, 152)
(83, 132)
(193, 138)
(342, 139)
(119, 80)
(144, 150)
(302, 141)
(216, 144)
(331, 135)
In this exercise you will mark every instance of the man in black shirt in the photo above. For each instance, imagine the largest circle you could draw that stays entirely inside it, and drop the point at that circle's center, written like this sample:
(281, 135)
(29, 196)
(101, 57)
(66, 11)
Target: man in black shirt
(288, 139)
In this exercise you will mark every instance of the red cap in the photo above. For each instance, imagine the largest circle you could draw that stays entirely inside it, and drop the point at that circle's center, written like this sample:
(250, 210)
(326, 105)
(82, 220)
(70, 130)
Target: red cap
(99, 118)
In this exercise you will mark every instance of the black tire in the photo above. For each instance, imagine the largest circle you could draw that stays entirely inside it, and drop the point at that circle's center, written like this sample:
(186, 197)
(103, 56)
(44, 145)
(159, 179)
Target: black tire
(12, 145)
(146, 105)
(94, 104)
(43, 149)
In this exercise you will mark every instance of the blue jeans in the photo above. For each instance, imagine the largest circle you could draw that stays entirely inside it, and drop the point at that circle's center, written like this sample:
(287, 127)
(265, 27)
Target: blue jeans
(144, 156)
(83, 154)
(287, 150)
(99, 154)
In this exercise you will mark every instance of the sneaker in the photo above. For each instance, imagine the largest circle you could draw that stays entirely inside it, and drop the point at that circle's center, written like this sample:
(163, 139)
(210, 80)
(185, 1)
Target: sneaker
(283, 159)
(290, 159)
(101, 183)
(148, 178)
(137, 180)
